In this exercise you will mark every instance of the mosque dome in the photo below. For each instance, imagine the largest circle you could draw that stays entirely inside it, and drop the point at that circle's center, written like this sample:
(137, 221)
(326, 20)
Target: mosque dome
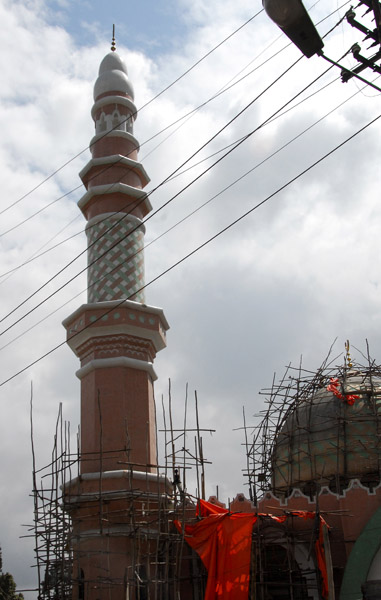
(330, 437)
(113, 77)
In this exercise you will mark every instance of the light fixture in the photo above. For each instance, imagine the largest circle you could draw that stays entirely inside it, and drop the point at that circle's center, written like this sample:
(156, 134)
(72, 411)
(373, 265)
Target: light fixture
(293, 19)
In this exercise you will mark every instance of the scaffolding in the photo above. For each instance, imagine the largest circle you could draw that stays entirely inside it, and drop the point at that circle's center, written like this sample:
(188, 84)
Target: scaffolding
(161, 565)
(160, 561)
(318, 428)
(317, 447)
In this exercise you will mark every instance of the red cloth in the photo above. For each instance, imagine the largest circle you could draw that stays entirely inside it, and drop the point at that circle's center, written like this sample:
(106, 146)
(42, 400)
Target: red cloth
(334, 388)
(204, 509)
(320, 557)
(223, 542)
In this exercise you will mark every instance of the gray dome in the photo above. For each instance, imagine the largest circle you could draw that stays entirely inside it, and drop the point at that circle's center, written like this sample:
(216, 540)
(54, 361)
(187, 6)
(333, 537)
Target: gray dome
(328, 441)
(112, 62)
(113, 77)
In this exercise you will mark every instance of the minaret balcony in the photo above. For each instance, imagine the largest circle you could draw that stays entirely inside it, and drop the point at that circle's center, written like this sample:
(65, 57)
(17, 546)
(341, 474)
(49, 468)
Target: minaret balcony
(115, 197)
(113, 100)
(109, 169)
(140, 329)
(112, 142)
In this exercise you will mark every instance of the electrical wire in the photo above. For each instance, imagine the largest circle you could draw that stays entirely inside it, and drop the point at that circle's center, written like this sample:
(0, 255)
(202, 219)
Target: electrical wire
(193, 212)
(37, 254)
(35, 257)
(198, 248)
(182, 172)
(155, 189)
(139, 110)
(191, 112)
(149, 217)
(225, 88)
(180, 120)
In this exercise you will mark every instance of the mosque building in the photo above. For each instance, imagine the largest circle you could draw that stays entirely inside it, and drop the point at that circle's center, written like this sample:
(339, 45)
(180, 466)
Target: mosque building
(311, 528)
(323, 457)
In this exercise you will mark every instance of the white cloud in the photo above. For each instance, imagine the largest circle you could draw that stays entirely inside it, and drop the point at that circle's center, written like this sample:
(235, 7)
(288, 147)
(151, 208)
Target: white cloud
(287, 280)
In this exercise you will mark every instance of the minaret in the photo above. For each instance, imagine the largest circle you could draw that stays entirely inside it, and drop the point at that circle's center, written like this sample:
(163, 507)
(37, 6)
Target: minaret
(116, 337)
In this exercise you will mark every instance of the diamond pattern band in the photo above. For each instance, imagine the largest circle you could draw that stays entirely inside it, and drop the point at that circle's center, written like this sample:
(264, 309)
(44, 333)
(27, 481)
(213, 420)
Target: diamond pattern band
(118, 270)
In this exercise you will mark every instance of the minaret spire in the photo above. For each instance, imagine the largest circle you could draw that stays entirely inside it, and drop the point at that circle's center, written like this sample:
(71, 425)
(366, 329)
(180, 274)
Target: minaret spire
(113, 45)
(116, 336)
(122, 342)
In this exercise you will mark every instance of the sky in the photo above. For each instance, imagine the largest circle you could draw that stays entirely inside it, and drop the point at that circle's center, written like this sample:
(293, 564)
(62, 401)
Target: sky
(285, 282)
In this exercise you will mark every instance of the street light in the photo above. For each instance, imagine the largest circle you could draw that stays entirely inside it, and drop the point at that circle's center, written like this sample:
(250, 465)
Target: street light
(295, 22)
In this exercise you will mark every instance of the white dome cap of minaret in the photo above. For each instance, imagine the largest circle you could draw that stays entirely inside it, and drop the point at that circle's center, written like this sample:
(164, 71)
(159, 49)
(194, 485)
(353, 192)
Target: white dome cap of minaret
(113, 76)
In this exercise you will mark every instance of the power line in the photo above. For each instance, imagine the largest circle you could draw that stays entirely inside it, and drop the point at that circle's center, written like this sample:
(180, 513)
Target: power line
(152, 191)
(29, 312)
(245, 108)
(181, 119)
(222, 91)
(190, 113)
(139, 110)
(175, 176)
(37, 254)
(183, 172)
(198, 248)
(189, 215)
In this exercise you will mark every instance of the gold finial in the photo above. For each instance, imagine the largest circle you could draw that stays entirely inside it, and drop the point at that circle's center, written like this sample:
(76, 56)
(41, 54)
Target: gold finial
(113, 47)
(348, 356)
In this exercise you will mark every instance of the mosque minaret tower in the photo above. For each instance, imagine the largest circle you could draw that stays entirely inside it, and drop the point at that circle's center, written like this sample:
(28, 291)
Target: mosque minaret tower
(116, 337)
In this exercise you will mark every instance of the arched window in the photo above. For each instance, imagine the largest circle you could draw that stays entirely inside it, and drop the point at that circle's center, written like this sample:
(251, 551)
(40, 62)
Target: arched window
(116, 120)
(130, 124)
(101, 124)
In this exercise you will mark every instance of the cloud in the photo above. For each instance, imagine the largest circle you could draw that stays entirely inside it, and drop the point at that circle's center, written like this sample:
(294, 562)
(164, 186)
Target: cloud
(285, 281)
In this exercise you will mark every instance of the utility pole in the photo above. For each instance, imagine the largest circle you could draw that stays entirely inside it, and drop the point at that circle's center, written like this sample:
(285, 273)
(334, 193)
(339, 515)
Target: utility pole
(293, 19)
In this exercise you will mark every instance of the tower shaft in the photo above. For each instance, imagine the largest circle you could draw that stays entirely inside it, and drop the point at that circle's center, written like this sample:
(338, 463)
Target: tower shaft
(116, 337)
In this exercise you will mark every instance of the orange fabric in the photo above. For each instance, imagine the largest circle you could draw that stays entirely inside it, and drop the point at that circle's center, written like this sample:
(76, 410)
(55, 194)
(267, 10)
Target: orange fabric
(320, 557)
(334, 388)
(276, 518)
(204, 509)
(223, 542)
(305, 514)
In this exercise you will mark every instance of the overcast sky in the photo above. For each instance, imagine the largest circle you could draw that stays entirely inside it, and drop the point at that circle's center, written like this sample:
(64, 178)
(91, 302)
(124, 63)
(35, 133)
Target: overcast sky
(284, 282)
